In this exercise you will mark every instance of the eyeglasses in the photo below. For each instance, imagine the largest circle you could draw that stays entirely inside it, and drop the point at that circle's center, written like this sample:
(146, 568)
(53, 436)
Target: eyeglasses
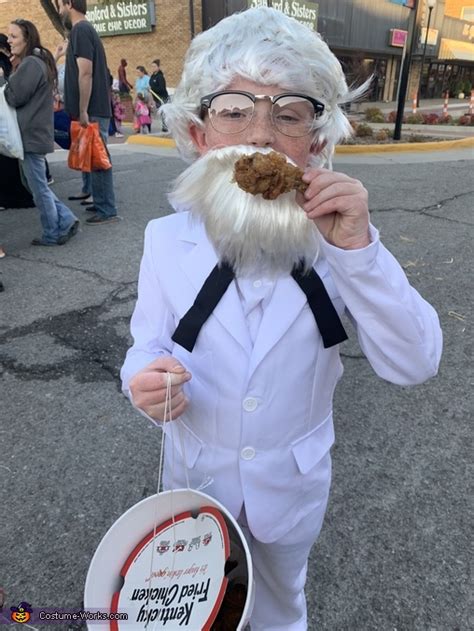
(231, 112)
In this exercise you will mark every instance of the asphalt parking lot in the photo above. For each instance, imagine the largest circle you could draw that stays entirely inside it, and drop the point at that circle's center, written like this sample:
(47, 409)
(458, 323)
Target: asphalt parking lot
(393, 551)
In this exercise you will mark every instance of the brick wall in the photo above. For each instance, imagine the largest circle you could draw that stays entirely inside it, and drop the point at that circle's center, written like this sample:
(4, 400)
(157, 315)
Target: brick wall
(168, 41)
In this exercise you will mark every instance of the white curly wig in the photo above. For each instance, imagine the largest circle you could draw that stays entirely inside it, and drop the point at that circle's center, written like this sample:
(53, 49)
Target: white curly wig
(265, 46)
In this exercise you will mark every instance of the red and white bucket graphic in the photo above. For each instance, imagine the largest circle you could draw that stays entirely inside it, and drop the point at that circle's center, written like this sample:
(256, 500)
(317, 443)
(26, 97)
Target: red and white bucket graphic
(177, 560)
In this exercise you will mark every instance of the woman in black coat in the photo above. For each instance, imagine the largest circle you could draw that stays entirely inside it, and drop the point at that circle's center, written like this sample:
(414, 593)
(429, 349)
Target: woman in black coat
(12, 192)
(158, 89)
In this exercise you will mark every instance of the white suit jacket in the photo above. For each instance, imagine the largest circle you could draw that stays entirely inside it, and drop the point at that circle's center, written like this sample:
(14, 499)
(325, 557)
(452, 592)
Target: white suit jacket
(259, 422)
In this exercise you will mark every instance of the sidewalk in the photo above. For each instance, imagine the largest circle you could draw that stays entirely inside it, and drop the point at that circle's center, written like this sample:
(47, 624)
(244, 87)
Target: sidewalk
(452, 139)
(447, 132)
(441, 131)
(455, 106)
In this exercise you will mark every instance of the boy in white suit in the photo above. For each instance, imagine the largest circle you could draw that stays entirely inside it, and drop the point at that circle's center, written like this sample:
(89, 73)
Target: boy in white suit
(239, 297)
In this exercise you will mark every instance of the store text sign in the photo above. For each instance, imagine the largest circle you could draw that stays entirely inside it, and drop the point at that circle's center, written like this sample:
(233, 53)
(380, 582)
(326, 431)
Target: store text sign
(304, 12)
(398, 37)
(120, 17)
(432, 38)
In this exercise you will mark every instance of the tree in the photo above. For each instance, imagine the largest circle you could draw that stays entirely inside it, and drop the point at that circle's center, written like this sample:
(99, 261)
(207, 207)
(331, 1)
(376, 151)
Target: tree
(51, 8)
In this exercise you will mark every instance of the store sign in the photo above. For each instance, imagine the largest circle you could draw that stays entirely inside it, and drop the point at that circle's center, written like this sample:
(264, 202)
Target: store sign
(304, 12)
(398, 37)
(120, 17)
(468, 31)
(432, 36)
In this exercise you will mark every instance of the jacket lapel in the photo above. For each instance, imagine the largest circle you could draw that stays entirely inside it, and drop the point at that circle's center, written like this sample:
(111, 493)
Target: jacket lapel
(197, 264)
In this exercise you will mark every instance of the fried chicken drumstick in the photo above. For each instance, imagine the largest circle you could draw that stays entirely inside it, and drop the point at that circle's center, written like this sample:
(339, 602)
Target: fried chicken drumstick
(268, 174)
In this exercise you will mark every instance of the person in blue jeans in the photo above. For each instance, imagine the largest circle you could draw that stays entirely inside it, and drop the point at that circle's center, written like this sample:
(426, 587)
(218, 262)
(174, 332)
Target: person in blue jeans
(30, 90)
(87, 96)
(102, 183)
(58, 221)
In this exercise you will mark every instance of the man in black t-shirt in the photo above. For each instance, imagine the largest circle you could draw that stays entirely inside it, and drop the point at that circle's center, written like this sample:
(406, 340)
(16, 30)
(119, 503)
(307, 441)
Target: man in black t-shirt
(87, 96)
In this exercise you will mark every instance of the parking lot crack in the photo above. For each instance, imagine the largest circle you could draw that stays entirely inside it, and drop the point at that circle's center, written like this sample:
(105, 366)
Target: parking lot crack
(428, 210)
(89, 273)
(88, 344)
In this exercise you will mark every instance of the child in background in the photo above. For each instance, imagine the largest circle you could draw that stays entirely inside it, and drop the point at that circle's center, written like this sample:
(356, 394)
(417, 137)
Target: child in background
(118, 111)
(142, 115)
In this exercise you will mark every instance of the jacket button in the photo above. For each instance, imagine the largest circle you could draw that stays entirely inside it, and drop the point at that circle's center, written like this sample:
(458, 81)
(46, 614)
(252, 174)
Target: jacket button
(247, 453)
(250, 404)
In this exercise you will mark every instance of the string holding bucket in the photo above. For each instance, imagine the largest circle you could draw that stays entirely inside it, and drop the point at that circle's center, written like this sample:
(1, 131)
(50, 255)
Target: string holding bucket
(167, 418)
(180, 583)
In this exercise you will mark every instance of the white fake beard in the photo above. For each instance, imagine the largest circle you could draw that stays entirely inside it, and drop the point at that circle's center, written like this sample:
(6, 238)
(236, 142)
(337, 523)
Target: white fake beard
(256, 236)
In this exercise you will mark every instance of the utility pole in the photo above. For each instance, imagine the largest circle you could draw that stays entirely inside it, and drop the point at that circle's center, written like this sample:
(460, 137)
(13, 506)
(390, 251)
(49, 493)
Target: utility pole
(411, 43)
(430, 6)
(191, 18)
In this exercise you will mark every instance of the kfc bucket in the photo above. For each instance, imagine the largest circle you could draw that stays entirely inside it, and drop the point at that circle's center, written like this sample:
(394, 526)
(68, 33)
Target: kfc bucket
(177, 560)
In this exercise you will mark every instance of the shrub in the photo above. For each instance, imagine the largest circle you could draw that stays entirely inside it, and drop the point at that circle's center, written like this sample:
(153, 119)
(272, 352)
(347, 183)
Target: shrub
(392, 117)
(415, 138)
(381, 135)
(415, 119)
(466, 119)
(430, 119)
(363, 130)
(458, 87)
(354, 124)
(374, 115)
(445, 120)
(467, 87)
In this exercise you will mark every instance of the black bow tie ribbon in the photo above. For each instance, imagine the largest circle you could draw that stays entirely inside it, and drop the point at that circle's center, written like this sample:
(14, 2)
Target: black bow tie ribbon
(216, 284)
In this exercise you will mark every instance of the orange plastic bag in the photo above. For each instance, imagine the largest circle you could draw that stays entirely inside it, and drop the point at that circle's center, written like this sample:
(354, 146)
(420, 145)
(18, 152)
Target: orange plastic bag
(80, 152)
(100, 155)
(88, 151)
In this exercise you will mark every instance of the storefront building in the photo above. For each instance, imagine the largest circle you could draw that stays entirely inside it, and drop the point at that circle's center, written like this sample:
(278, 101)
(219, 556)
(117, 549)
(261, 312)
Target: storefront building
(368, 37)
(451, 67)
(137, 30)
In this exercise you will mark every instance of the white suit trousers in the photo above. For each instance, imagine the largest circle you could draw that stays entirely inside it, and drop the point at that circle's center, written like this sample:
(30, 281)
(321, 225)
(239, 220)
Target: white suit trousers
(280, 575)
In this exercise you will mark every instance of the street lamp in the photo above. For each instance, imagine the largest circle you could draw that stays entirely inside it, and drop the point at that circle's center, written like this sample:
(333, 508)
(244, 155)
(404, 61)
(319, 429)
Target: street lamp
(431, 5)
(402, 92)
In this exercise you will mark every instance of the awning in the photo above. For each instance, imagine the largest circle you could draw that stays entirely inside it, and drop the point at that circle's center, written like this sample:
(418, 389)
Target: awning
(454, 49)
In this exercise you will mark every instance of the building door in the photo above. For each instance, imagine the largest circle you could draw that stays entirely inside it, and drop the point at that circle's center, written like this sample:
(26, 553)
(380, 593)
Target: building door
(358, 69)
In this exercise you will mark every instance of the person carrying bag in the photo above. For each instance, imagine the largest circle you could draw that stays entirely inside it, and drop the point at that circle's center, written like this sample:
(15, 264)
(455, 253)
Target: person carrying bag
(10, 136)
(30, 90)
(87, 152)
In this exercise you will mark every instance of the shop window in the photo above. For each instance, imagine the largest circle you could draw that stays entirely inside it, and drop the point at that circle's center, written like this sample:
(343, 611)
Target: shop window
(467, 13)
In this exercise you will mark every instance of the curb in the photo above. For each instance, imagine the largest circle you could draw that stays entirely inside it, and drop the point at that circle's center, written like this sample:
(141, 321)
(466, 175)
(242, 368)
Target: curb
(439, 145)
(153, 141)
